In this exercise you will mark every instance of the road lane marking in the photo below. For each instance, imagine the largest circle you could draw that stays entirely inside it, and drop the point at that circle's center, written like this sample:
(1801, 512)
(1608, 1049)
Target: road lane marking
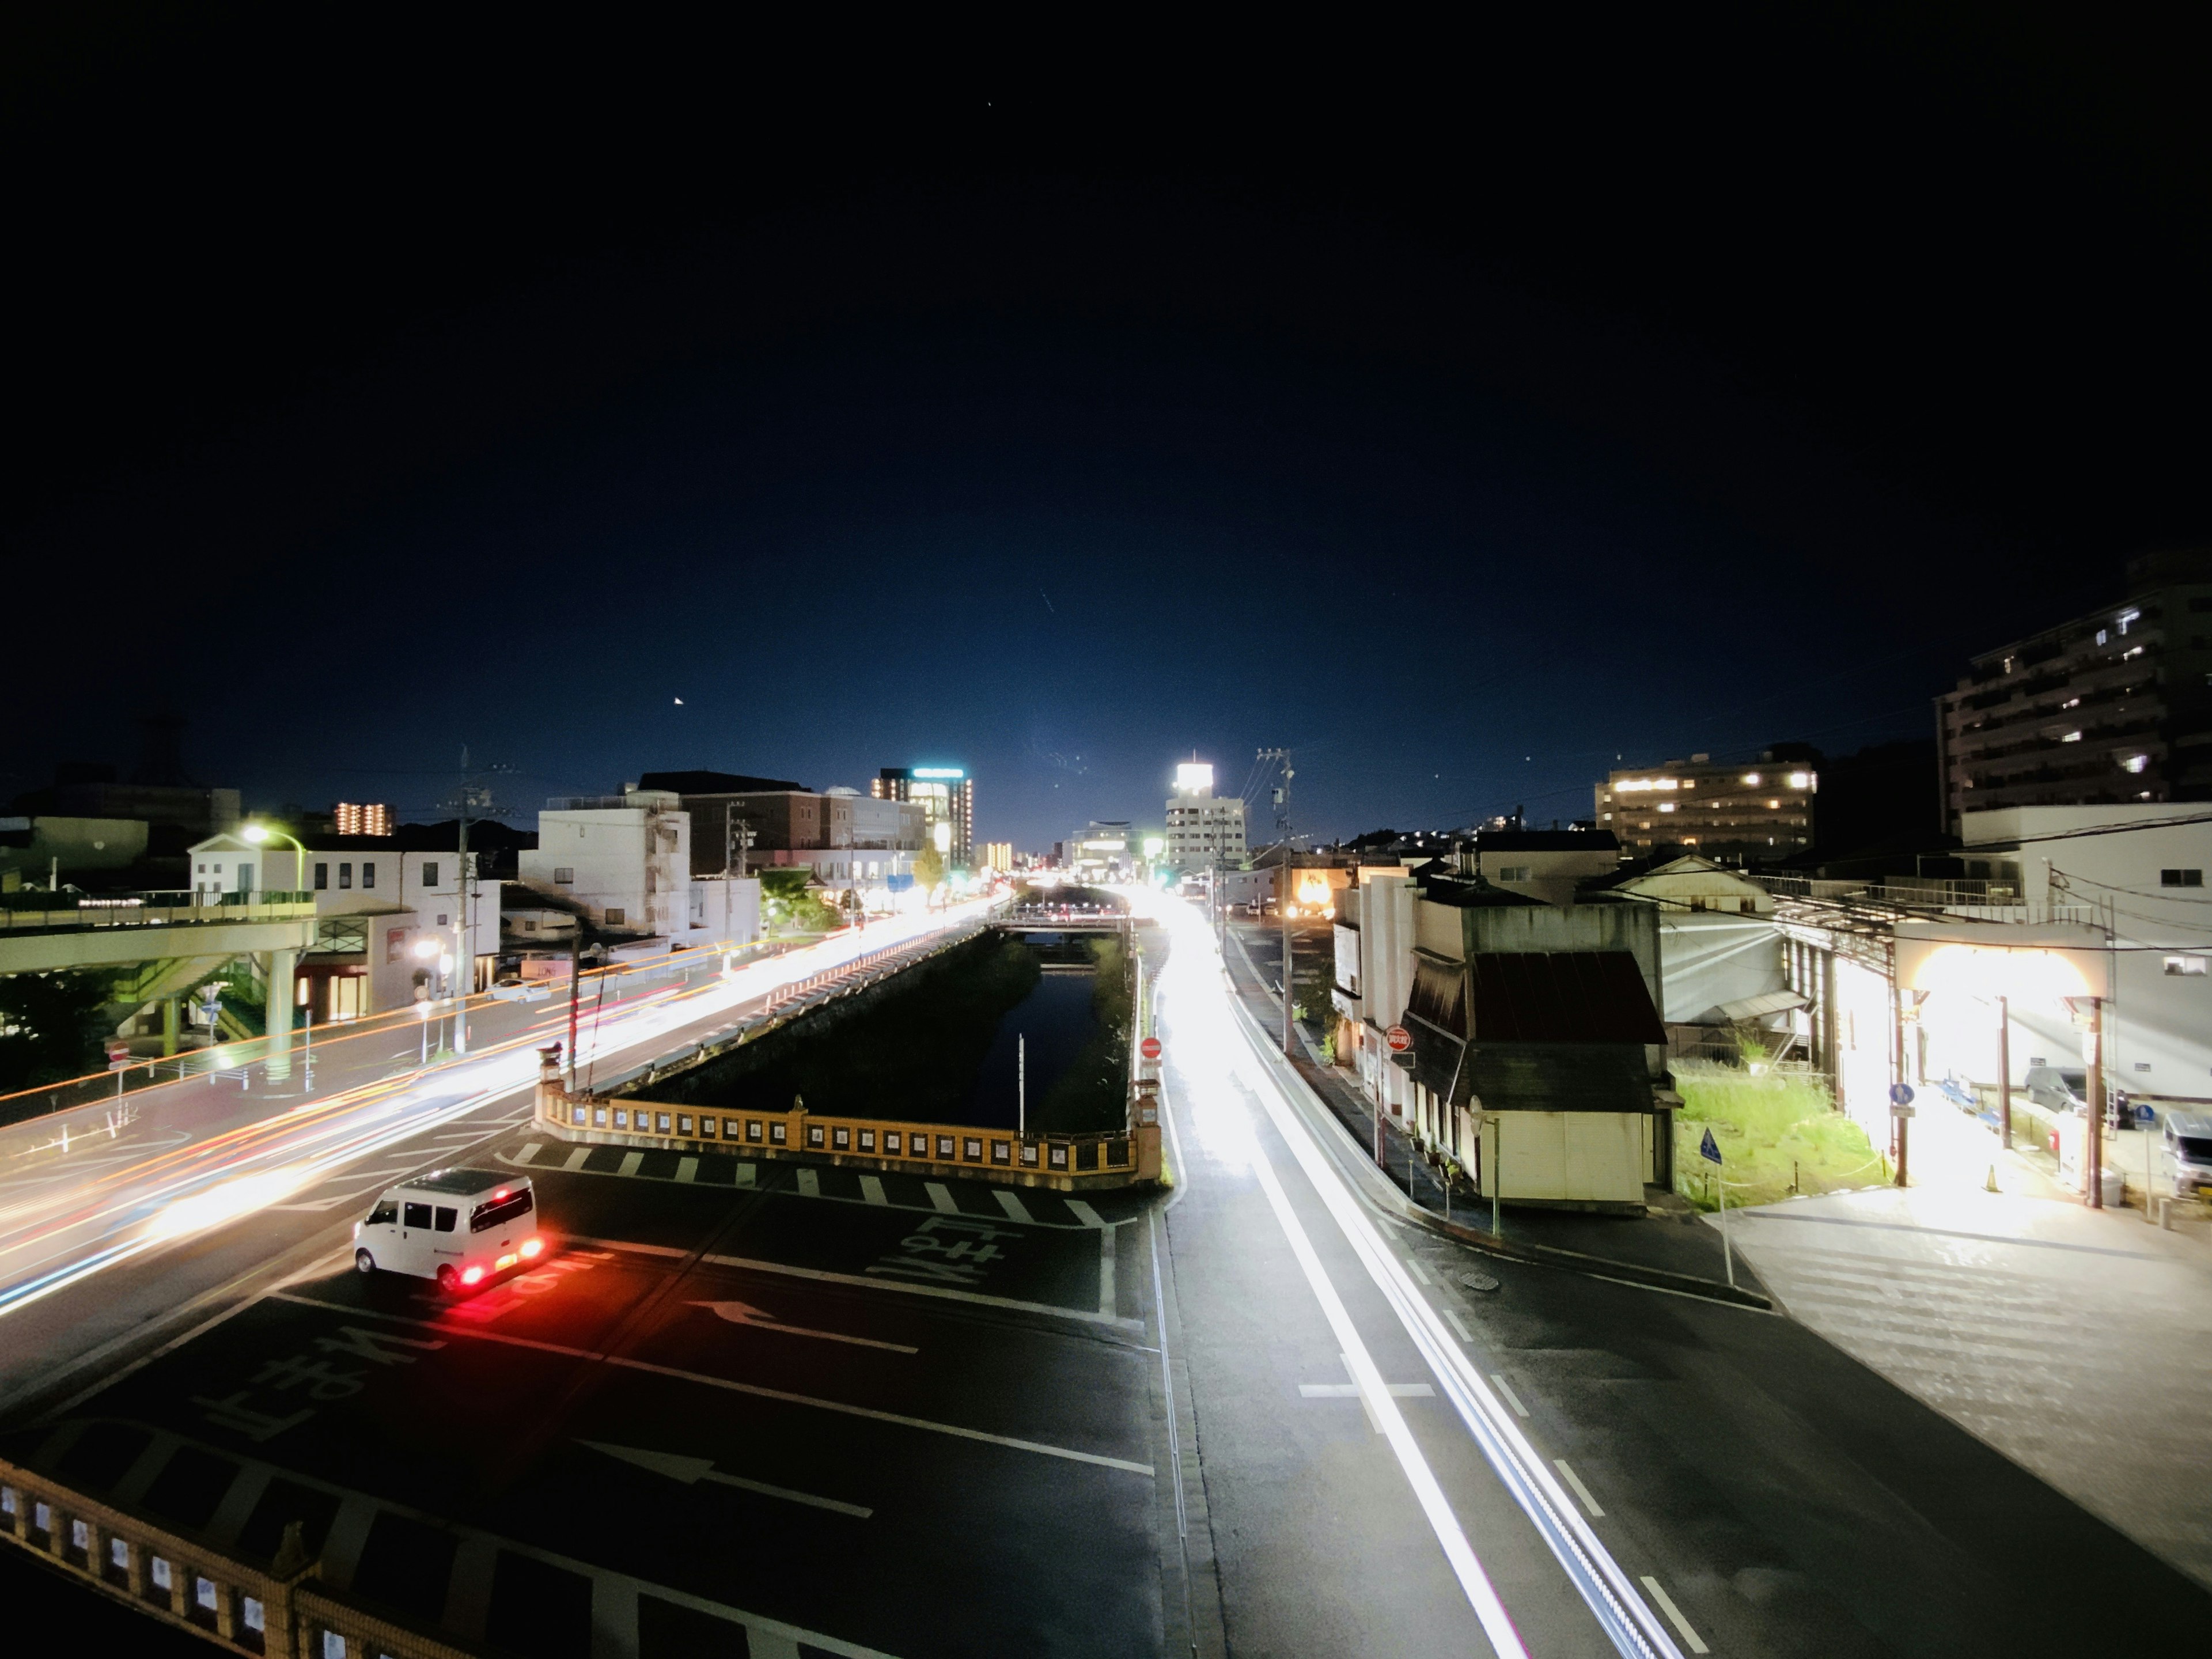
(529, 1150)
(1581, 1490)
(1605, 1589)
(1106, 1300)
(1458, 1326)
(1475, 1582)
(744, 1313)
(1420, 1272)
(576, 1158)
(747, 1174)
(630, 1163)
(1511, 1398)
(1351, 1390)
(940, 1198)
(1667, 1605)
(1010, 1202)
(842, 1408)
(1083, 1213)
(944, 1292)
(823, 1275)
(810, 1184)
(687, 1169)
(692, 1470)
(622, 1244)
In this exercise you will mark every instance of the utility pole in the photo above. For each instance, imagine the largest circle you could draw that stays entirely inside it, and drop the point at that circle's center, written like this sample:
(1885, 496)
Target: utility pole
(1283, 914)
(1022, 1084)
(575, 992)
(2004, 1072)
(465, 957)
(2093, 1152)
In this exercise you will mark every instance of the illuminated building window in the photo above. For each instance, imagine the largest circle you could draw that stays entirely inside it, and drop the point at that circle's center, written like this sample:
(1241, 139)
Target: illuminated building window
(2134, 763)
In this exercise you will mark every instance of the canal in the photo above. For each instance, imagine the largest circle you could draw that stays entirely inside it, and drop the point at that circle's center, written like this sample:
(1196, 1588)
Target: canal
(945, 1042)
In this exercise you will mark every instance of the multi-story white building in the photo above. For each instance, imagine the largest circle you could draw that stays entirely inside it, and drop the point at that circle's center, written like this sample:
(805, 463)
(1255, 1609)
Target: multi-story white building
(1203, 832)
(390, 911)
(626, 859)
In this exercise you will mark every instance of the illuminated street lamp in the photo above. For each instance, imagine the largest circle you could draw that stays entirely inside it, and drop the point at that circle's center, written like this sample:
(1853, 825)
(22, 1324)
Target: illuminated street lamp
(260, 833)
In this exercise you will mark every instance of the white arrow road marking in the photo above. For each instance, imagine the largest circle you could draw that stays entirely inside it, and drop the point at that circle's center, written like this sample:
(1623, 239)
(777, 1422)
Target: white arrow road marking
(692, 1470)
(744, 1313)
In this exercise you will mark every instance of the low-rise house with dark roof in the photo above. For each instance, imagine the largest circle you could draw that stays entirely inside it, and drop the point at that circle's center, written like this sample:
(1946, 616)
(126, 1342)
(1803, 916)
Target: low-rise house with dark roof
(1535, 1031)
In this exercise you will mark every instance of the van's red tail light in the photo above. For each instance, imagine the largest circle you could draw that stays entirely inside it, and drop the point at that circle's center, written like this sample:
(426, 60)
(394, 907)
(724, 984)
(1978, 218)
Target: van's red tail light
(470, 1275)
(531, 1246)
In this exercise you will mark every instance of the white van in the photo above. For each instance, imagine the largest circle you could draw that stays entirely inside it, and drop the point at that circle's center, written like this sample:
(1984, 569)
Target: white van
(459, 1227)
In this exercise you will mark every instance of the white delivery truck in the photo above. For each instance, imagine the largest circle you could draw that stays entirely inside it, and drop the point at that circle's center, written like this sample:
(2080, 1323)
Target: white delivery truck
(459, 1227)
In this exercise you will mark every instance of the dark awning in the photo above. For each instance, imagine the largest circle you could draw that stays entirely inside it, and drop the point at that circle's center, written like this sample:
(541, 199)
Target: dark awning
(1547, 1031)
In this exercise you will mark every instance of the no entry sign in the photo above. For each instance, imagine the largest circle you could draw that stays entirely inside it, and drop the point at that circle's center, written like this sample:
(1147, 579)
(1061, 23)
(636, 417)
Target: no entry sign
(1149, 1047)
(1399, 1038)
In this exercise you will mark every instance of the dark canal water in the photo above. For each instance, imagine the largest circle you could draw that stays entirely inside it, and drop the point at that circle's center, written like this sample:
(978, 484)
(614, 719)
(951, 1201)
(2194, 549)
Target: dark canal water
(939, 1044)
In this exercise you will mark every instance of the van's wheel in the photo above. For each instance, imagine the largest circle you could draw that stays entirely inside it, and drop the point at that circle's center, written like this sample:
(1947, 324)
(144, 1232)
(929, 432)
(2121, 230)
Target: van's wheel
(364, 1262)
(449, 1281)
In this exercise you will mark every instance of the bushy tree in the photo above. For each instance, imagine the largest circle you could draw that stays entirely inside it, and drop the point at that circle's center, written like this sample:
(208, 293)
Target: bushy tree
(51, 1026)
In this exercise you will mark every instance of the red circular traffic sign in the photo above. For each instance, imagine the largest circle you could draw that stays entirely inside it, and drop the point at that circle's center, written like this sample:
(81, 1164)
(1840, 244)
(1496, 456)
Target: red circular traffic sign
(1399, 1038)
(1149, 1047)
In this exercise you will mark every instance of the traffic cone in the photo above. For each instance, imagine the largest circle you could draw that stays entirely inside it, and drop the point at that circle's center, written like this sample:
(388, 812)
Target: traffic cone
(1990, 1186)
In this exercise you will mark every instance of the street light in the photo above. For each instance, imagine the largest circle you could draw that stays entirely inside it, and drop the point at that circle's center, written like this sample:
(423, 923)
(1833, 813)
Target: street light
(258, 833)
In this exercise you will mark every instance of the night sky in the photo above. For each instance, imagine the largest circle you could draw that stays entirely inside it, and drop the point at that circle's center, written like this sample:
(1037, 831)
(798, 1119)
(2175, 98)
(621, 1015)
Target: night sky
(1459, 412)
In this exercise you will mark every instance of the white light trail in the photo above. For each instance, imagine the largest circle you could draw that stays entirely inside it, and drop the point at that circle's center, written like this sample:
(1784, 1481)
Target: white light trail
(1204, 1018)
(123, 1211)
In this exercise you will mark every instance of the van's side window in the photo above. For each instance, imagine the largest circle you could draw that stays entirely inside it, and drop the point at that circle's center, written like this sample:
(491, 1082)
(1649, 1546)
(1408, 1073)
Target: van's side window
(418, 1215)
(384, 1215)
(447, 1218)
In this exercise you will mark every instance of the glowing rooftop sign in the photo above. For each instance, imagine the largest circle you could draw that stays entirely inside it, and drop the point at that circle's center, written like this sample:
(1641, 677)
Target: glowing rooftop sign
(938, 772)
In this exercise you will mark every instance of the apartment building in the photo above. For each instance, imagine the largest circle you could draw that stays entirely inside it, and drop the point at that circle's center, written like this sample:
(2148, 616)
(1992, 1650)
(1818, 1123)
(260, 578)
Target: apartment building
(2111, 708)
(1757, 813)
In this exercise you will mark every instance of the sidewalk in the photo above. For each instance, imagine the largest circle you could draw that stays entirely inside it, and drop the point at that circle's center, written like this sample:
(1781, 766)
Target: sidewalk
(2076, 1341)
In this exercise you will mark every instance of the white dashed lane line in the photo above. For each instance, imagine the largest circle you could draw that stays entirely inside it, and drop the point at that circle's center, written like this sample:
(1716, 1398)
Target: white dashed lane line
(1511, 1398)
(1675, 1616)
(1589, 1504)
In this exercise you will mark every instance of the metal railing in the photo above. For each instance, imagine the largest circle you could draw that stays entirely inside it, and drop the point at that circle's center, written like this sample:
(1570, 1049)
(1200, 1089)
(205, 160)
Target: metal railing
(59, 912)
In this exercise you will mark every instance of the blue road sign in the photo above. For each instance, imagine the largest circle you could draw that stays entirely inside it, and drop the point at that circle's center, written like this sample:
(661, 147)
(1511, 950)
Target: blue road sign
(1707, 1149)
(1900, 1094)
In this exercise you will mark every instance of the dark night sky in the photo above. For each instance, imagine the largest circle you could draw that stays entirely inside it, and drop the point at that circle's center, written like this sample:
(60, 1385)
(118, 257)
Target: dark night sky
(1460, 413)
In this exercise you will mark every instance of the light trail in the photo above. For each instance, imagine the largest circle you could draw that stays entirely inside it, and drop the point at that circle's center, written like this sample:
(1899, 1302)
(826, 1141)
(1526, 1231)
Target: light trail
(1206, 1020)
(92, 1221)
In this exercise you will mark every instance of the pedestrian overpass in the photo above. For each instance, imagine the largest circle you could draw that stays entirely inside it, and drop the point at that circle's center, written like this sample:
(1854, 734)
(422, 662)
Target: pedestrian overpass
(168, 942)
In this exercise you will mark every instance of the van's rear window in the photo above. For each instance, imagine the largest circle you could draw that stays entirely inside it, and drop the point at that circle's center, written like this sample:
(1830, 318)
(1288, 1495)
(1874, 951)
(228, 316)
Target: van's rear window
(499, 1210)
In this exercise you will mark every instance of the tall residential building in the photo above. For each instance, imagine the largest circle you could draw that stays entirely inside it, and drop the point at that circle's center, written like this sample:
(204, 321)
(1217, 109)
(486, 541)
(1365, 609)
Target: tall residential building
(1761, 811)
(1203, 833)
(353, 818)
(999, 855)
(946, 795)
(2115, 706)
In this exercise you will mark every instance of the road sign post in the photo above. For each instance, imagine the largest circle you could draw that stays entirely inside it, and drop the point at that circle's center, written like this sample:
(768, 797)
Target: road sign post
(1149, 1047)
(1902, 1109)
(1709, 1149)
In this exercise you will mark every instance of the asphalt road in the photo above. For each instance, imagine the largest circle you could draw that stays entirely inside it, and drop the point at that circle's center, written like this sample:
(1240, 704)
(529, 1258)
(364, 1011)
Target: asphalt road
(752, 1408)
